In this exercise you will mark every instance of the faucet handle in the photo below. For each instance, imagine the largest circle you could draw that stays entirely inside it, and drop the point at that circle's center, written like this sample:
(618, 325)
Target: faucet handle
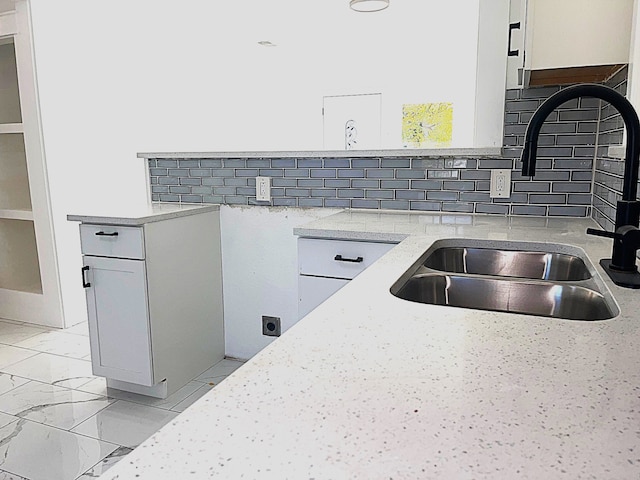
(604, 233)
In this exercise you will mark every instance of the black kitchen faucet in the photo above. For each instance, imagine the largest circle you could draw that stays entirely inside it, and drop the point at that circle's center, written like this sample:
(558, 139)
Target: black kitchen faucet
(621, 267)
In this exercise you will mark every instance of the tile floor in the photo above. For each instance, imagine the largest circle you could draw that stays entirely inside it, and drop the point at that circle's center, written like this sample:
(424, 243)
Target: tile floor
(57, 421)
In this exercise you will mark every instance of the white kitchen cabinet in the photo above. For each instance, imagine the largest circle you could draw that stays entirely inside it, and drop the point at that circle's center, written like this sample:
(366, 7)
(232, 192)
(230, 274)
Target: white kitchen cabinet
(326, 265)
(515, 49)
(154, 299)
(117, 303)
(567, 42)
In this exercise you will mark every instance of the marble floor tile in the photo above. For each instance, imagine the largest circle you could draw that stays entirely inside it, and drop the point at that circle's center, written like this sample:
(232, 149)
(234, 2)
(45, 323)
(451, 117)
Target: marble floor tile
(6, 419)
(219, 371)
(54, 406)
(11, 333)
(125, 423)
(191, 399)
(9, 382)
(81, 328)
(99, 387)
(58, 343)
(10, 355)
(105, 464)
(53, 369)
(40, 452)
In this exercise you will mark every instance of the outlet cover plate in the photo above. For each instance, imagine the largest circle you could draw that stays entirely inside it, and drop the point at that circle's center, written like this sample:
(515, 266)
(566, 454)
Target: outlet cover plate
(263, 189)
(271, 326)
(500, 183)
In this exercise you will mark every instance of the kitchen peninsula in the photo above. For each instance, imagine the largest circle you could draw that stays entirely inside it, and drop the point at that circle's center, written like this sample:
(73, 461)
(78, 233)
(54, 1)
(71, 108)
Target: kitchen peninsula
(371, 386)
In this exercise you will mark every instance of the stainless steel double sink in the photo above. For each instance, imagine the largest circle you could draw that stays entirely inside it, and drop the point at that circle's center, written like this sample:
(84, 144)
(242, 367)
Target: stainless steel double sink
(517, 277)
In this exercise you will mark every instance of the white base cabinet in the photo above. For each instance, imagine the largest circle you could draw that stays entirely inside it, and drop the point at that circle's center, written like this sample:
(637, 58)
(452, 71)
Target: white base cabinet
(154, 301)
(327, 265)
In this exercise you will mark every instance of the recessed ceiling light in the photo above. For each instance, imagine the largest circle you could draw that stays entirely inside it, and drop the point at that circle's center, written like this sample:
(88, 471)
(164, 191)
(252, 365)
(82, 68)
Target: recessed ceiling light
(266, 43)
(368, 5)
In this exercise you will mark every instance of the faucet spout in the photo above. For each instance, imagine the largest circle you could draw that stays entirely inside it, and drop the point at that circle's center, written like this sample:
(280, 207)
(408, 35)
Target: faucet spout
(622, 266)
(624, 107)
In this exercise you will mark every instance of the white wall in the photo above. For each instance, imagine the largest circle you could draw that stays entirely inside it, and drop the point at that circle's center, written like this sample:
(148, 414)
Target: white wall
(260, 272)
(190, 76)
(119, 77)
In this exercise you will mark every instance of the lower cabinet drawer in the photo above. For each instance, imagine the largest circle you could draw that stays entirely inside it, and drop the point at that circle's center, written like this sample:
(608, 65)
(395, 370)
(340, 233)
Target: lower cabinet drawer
(338, 258)
(112, 241)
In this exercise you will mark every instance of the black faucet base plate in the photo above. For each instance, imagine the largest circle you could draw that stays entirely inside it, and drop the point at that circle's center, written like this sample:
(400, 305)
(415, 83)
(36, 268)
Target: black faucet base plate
(622, 279)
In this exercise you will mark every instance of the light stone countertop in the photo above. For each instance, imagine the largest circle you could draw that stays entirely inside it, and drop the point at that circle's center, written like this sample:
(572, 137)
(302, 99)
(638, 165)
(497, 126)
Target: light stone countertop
(369, 386)
(401, 152)
(139, 215)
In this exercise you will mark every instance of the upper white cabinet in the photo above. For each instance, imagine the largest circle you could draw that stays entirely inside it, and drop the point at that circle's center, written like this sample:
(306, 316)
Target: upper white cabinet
(568, 41)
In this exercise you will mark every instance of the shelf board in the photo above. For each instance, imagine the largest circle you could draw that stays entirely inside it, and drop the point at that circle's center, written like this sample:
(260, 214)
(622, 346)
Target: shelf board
(571, 75)
(11, 128)
(16, 214)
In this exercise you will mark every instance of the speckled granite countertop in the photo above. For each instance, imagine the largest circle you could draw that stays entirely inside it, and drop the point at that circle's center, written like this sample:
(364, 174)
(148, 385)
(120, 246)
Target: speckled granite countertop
(401, 152)
(135, 216)
(369, 386)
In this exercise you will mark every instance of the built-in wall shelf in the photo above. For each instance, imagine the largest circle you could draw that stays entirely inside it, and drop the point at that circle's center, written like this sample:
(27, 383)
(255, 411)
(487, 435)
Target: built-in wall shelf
(11, 128)
(29, 280)
(16, 214)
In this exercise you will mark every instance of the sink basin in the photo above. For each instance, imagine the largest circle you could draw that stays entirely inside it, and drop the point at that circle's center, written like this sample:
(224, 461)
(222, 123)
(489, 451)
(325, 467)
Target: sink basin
(555, 281)
(534, 298)
(508, 263)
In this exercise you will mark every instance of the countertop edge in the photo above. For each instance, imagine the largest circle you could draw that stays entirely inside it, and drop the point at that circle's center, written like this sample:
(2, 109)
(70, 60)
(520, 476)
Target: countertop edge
(135, 220)
(430, 152)
(334, 234)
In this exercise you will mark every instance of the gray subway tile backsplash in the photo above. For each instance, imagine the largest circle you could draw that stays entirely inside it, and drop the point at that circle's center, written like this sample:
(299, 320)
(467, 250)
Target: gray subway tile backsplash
(190, 181)
(411, 174)
(531, 186)
(401, 184)
(351, 173)
(410, 194)
(394, 204)
(529, 210)
(435, 195)
(310, 162)
(567, 160)
(222, 181)
(310, 182)
(283, 163)
(211, 163)
(380, 173)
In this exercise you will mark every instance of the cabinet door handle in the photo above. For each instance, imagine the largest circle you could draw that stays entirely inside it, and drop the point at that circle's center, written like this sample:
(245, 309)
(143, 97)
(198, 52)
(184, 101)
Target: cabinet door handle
(340, 258)
(104, 234)
(85, 284)
(512, 27)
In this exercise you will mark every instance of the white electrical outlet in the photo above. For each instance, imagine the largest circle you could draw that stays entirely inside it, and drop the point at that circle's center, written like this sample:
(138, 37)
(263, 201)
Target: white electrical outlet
(263, 189)
(500, 183)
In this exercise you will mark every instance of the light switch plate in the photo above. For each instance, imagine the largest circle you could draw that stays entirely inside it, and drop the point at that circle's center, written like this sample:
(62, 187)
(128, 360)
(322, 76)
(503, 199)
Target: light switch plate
(500, 183)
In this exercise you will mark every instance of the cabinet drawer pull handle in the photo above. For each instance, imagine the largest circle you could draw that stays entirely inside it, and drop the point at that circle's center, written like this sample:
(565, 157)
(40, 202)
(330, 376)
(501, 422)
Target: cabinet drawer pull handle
(85, 284)
(512, 27)
(339, 258)
(104, 234)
